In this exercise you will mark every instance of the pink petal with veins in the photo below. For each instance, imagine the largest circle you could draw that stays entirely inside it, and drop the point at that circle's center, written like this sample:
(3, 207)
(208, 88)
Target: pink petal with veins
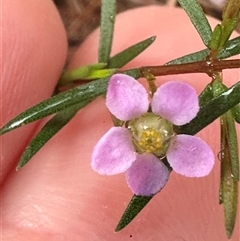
(190, 156)
(126, 98)
(114, 153)
(147, 175)
(176, 102)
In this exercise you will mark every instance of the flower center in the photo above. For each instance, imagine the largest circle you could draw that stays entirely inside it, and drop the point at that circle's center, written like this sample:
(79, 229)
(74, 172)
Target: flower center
(151, 134)
(150, 140)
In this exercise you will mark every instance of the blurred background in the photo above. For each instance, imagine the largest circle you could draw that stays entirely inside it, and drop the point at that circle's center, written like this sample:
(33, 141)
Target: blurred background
(80, 17)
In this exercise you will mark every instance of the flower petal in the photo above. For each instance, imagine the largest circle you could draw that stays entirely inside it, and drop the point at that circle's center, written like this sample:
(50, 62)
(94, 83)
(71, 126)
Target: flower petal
(190, 156)
(147, 175)
(114, 153)
(176, 102)
(126, 98)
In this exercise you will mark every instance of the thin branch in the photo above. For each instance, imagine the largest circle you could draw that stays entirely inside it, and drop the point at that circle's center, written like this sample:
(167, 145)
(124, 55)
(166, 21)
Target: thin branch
(207, 67)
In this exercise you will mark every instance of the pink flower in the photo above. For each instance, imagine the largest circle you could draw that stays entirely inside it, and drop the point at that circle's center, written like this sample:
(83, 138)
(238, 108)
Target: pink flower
(147, 137)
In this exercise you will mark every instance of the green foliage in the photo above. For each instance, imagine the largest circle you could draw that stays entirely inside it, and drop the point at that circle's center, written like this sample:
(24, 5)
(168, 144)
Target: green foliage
(135, 206)
(230, 19)
(48, 131)
(198, 19)
(212, 110)
(84, 93)
(232, 48)
(215, 100)
(232, 145)
(216, 38)
(206, 95)
(102, 70)
(231, 10)
(229, 171)
(81, 94)
(124, 57)
(223, 31)
(236, 113)
(88, 72)
(55, 124)
(108, 12)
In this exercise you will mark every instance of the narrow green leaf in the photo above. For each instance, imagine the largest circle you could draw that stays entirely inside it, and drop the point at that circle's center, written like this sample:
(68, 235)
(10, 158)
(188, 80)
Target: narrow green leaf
(221, 189)
(212, 110)
(190, 58)
(48, 131)
(236, 113)
(83, 93)
(56, 124)
(108, 12)
(227, 30)
(122, 58)
(82, 72)
(101, 73)
(198, 18)
(218, 87)
(229, 184)
(232, 48)
(135, 73)
(232, 144)
(223, 31)
(97, 71)
(230, 20)
(231, 10)
(216, 38)
(135, 206)
(206, 95)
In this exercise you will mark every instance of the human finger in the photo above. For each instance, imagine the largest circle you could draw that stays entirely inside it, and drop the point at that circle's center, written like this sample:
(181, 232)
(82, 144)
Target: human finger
(62, 198)
(34, 51)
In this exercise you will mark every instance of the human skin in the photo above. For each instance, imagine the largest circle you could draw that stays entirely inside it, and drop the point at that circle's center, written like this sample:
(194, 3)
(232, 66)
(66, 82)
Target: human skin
(58, 197)
(34, 52)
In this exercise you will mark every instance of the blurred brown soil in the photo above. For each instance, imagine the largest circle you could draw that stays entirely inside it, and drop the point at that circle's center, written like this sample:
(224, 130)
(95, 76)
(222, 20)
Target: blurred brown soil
(81, 17)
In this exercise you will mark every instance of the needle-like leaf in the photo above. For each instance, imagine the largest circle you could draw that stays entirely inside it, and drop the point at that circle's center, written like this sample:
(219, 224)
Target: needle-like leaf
(236, 113)
(124, 57)
(108, 12)
(135, 206)
(198, 19)
(229, 170)
(48, 131)
(84, 93)
(212, 110)
(232, 48)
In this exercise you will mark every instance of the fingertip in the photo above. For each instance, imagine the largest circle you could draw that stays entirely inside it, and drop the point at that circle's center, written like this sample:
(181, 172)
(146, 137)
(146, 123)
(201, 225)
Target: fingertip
(34, 48)
(90, 205)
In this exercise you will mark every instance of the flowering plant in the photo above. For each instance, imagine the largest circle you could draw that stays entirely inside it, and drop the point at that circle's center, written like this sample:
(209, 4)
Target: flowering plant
(154, 129)
(149, 136)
